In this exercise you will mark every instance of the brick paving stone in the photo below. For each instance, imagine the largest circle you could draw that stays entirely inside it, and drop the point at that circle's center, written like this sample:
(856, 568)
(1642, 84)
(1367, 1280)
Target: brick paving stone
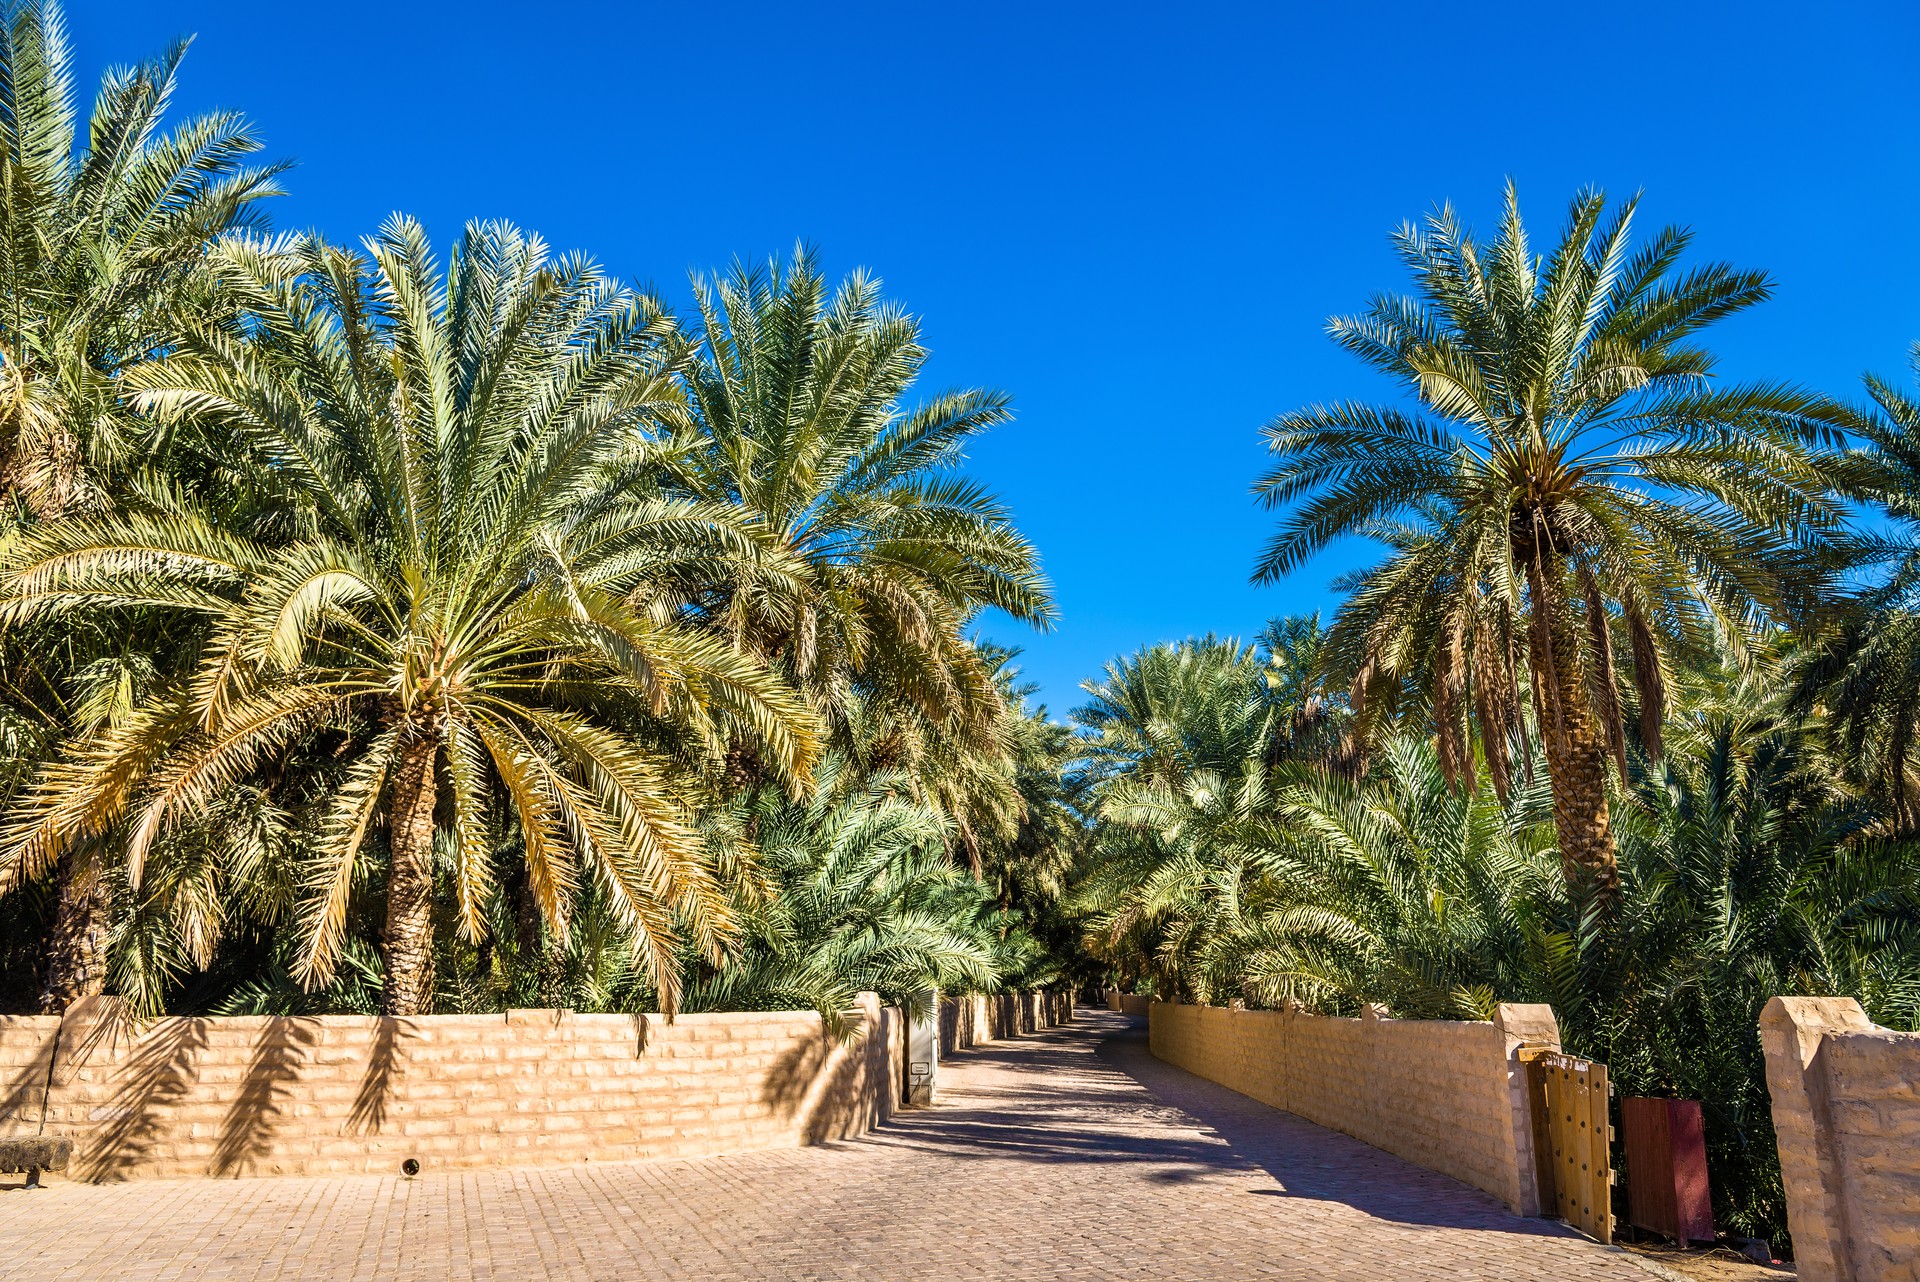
(1069, 1154)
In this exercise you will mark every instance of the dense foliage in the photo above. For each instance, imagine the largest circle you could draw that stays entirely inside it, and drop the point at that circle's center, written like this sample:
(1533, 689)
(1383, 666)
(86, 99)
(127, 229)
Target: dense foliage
(383, 631)
(1750, 867)
(1703, 799)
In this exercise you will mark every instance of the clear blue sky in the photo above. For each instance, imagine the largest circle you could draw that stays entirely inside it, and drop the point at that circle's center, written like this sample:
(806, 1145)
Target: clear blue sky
(1134, 218)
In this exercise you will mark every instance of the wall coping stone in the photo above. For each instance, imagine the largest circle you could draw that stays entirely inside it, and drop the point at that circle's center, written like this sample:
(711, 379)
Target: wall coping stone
(1846, 1117)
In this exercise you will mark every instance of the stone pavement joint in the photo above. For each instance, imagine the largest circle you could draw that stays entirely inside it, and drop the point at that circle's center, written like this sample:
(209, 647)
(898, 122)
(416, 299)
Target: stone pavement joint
(1071, 1153)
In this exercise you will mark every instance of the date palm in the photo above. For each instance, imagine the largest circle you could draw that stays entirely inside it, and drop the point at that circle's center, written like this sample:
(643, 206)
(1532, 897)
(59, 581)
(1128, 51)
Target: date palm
(860, 895)
(102, 233)
(885, 554)
(99, 237)
(1403, 889)
(1867, 675)
(1180, 740)
(1567, 471)
(449, 613)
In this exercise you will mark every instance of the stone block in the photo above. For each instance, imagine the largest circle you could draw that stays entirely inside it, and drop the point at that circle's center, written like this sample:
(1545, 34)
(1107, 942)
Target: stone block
(1846, 1118)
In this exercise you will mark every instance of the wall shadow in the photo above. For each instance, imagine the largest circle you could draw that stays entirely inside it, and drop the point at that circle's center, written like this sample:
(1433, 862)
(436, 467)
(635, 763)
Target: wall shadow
(792, 1075)
(24, 1102)
(821, 1083)
(156, 1076)
(369, 1112)
(949, 1009)
(247, 1130)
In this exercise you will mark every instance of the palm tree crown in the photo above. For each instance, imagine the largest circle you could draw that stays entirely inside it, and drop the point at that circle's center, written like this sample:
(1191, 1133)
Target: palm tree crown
(1179, 741)
(448, 610)
(98, 239)
(1568, 470)
(884, 553)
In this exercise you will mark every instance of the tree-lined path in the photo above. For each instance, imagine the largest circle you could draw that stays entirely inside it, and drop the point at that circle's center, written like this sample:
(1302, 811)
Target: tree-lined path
(1069, 1154)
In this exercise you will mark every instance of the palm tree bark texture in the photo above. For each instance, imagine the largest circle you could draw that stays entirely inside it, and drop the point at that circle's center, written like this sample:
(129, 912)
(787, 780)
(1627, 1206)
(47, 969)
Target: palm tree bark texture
(1576, 752)
(409, 934)
(76, 957)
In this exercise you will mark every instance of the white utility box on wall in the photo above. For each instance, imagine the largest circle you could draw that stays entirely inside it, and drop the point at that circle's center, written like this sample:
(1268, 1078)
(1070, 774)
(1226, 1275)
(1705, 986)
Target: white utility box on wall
(923, 1046)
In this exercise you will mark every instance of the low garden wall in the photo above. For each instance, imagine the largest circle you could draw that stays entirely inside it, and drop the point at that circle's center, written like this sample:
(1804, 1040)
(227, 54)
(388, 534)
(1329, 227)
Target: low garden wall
(970, 1020)
(1846, 1110)
(1128, 1003)
(334, 1094)
(1446, 1095)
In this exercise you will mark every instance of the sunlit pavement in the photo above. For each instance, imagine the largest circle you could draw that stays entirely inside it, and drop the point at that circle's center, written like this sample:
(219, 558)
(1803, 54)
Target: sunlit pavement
(1070, 1153)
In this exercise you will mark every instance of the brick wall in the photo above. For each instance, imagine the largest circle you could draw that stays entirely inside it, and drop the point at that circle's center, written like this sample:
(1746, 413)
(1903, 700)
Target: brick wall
(1846, 1111)
(970, 1020)
(331, 1094)
(1447, 1095)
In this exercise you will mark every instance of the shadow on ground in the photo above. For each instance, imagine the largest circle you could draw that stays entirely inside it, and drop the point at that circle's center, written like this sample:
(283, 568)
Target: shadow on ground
(1179, 1128)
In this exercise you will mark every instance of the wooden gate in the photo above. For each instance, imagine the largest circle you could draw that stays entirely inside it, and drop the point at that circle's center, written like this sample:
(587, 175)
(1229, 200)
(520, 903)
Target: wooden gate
(1572, 1139)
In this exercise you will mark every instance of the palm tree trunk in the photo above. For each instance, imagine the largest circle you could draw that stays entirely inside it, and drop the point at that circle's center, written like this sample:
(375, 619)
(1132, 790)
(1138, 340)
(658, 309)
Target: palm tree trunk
(76, 938)
(76, 960)
(409, 935)
(1576, 747)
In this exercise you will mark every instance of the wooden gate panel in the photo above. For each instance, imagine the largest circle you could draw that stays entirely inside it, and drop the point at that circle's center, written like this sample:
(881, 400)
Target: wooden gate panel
(1573, 1139)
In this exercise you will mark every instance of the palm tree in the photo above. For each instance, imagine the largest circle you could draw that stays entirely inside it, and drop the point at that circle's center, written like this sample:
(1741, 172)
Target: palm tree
(1180, 741)
(1867, 676)
(1294, 647)
(474, 645)
(859, 894)
(101, 237)
(879, 554)
(1029, 849)
(1156, 717)
(1567, 472)
(1404, 889)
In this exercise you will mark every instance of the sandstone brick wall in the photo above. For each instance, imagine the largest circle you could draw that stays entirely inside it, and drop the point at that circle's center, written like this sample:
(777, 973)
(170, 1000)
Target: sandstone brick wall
(1446, 1095)
(332, 1094)
(970, 1020)
(1846, 1111)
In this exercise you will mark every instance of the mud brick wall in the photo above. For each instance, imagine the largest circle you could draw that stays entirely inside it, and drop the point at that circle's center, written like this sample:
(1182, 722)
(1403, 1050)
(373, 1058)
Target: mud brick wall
(1846, 1111)
(184, 1097)
(970, 1020)
(1446, 1095)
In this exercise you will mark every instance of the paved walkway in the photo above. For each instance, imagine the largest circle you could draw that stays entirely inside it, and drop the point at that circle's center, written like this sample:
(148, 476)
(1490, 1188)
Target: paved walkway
(1070, 1154)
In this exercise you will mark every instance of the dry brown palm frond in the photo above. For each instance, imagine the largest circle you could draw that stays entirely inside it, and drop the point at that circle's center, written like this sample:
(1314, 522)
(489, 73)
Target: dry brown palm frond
(1449, 687)
(1650, 683)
